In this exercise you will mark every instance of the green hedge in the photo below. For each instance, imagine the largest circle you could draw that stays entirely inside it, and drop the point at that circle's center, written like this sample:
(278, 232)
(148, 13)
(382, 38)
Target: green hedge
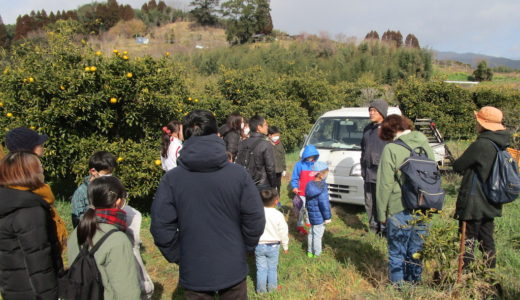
(88, 101)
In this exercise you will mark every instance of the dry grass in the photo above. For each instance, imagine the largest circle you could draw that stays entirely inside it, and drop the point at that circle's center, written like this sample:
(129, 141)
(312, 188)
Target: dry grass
(178, 37)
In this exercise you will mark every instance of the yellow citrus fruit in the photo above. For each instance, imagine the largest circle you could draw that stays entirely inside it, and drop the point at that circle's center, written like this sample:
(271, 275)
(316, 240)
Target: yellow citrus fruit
(1, 104)
(416, 255)
(32, 127)
(98, 53)
(167, 53)
(157, 162)
(62, 87)
(87, 69)
(125, 52)
(113, 100)
(129, 75)
(9, 115)
(189, 98)
(115, 51)
(196, 100)
(125, 57)
(120, 159)
(93, 68)
(31, 79)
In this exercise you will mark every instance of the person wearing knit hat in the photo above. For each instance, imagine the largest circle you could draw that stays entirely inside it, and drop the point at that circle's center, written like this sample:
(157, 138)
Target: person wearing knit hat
(371, 148)
(381, 106)
(475, 164)
(23, 139)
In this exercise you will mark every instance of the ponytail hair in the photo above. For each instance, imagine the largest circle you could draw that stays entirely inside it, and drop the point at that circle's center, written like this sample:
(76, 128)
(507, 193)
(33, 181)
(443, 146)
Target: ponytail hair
(103, 192)
(168, 130)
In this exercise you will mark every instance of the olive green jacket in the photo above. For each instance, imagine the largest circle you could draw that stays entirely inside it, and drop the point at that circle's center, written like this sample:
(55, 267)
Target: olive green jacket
(115, 261)
(389, 178)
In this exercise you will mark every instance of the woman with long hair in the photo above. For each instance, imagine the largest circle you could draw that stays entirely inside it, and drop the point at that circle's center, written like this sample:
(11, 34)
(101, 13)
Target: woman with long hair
(114, 258)
(30, 259)
(171, 144)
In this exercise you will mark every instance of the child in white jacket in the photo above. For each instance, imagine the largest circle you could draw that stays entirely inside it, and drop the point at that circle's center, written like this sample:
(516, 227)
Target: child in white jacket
(276, 232)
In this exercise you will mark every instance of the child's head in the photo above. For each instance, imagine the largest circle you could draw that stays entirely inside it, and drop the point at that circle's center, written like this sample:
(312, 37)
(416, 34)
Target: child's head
(269, 197)
(321, 170)
(107, 192)
(103, 193)
(101, 163)
(274, 133)
(171, 130)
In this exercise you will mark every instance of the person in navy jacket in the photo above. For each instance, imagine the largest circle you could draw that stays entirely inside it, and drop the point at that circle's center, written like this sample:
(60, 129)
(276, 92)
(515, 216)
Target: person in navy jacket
(207, 213)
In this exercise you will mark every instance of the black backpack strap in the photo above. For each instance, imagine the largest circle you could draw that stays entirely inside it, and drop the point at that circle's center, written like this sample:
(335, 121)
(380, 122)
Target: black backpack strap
(401, 143)
(101, 240)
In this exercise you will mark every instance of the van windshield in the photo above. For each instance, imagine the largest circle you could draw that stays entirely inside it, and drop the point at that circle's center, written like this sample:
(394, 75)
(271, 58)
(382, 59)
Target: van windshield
(338, 133)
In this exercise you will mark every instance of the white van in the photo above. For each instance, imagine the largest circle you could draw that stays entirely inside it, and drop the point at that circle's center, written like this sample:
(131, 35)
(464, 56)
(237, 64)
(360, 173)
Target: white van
(337, 135)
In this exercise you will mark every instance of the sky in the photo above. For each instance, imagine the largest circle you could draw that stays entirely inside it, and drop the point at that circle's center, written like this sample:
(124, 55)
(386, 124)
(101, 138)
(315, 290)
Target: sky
(477, 26)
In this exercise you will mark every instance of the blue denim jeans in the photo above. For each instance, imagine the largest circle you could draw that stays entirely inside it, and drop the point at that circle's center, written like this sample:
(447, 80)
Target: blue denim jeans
(314, 239)
(404, 239)
(266, 267)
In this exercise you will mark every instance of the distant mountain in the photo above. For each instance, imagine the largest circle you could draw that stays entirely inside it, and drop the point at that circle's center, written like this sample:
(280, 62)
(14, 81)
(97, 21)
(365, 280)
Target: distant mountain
(473, 59)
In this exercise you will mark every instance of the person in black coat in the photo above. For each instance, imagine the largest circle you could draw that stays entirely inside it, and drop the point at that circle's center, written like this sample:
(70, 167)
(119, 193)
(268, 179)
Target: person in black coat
(371, 148)
(475, 164)
(232, 133)
(264, 173)
(29, 252)
(207, 213)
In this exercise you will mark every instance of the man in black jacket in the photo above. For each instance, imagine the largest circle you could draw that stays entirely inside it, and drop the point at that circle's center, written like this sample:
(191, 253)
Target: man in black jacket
(371, 148)
(263, 172)
(206, 213)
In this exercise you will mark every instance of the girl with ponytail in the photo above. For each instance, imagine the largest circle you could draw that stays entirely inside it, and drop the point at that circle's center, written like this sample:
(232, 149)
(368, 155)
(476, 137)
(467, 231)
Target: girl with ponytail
(114, 258)
(171, 144)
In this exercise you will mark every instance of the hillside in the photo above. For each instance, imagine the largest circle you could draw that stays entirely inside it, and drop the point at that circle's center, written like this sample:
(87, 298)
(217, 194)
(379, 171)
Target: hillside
(178, 37)
(473, 59)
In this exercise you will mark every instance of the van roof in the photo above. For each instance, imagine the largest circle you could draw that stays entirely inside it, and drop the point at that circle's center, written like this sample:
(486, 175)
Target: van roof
(357, 112)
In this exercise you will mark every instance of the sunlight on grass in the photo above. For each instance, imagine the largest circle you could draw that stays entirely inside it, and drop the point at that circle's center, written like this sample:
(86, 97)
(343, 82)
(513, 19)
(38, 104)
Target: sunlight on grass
(354, 262)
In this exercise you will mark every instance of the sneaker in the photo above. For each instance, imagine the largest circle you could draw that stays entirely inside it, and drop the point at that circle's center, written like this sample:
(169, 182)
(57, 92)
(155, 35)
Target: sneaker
(310, 255)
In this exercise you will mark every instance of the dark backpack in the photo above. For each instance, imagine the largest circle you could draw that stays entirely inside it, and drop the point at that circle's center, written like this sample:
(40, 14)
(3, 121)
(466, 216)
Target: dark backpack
(82, 281)
(421, 189)
(503, 183)
(246, 158)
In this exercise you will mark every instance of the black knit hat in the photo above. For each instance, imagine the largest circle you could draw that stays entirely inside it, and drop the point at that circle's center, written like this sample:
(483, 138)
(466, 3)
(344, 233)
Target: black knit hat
(381, 106)
(23, 139)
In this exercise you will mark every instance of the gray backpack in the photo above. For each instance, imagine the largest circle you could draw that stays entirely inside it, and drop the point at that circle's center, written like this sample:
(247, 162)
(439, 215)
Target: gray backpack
(421, 189)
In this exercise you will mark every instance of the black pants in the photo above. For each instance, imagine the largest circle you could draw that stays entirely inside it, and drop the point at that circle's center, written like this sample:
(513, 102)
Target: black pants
(370, 207)
(236, 292)
(481, 231)
(278, 182)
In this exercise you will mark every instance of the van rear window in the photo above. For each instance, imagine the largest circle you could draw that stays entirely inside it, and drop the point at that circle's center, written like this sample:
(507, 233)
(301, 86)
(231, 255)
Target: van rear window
(338, 133)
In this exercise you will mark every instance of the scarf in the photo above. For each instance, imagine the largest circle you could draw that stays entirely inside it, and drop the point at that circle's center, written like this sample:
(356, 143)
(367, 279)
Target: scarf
(46, 193)
(112, 216)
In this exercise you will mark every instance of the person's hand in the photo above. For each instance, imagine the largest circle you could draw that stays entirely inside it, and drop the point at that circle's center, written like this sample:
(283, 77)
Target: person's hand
(285, 251)
(327, 221)
(284, 173)
(295, 190)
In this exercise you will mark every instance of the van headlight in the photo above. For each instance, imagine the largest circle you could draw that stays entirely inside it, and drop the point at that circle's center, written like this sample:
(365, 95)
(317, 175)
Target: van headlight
(356, 170)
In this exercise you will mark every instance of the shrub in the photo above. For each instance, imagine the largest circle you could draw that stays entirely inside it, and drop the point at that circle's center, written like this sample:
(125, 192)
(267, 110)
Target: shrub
(87, 102)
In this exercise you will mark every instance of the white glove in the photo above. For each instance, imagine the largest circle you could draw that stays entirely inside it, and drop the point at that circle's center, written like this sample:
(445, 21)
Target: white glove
(284, 173)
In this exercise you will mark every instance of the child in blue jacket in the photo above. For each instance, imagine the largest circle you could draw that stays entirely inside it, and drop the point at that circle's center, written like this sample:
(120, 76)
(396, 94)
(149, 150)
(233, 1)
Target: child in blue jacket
(318, 207)
(300, 178)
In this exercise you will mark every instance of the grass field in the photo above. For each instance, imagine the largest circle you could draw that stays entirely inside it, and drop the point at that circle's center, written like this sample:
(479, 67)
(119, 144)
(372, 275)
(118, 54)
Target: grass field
(354, 262)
